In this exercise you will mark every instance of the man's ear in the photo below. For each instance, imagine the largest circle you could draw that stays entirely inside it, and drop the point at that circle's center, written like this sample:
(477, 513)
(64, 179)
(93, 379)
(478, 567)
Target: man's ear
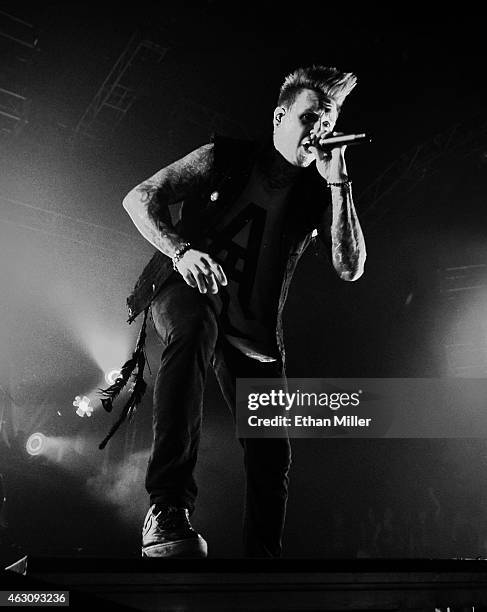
(279, 113)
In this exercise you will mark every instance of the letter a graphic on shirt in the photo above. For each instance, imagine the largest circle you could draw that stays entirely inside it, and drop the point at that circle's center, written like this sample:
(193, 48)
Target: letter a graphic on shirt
(223, 240)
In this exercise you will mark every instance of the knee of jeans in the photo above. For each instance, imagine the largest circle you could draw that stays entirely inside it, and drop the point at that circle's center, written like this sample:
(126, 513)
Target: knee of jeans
(267, 454)
(197, 328)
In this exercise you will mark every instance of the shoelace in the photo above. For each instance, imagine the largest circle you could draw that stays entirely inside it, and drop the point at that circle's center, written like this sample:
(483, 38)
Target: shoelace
(171, 517)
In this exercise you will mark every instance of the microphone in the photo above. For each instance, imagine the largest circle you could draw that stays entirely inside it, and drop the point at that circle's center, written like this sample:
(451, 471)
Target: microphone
(338, 141)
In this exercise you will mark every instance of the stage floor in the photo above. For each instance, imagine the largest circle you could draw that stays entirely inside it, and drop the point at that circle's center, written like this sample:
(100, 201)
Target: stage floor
(257, 584)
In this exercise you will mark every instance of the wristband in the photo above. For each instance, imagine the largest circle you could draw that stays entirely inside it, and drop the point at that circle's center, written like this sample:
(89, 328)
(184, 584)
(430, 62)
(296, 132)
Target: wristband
(346, 183)
(179, 253)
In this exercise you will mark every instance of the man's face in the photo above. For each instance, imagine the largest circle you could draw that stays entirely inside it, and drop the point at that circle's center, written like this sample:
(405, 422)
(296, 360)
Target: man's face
(309, 115)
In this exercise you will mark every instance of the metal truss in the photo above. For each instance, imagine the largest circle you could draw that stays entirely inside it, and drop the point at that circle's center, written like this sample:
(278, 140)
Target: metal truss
(17, 30)
(14, 111)
(16, 37)
(463, 288)
(458, 281)
(125, 82)
(119, 90)
(420, 163)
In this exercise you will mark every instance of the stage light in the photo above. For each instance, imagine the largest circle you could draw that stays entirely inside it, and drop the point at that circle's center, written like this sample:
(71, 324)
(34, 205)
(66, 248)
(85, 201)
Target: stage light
(112, 376)
(83, 406)
(35, 443)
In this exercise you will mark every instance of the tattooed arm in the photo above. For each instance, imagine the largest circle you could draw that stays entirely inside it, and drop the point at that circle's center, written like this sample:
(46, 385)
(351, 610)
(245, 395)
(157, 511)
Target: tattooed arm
(147, 205)
(341, 224)
(347, 240)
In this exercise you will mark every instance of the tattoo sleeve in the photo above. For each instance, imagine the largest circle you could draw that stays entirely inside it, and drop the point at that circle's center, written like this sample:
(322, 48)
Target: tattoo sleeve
(347, 240)
(148, 204)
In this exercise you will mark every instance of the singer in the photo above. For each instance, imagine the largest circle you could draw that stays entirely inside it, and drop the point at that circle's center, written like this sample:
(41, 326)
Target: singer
(217, 286)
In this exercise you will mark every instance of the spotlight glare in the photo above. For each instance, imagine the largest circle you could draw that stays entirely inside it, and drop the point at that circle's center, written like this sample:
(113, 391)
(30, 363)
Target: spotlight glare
(83, 406)
(35, 443)
(112, 376)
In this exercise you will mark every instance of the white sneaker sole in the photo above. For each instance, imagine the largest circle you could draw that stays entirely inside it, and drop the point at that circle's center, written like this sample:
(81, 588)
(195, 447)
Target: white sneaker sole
(189, 547)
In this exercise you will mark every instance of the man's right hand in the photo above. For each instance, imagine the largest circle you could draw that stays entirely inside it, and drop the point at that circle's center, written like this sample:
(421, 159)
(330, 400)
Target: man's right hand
(201, 271)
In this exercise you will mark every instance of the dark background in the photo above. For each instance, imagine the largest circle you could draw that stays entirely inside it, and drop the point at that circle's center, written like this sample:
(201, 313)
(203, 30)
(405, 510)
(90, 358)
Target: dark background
(64, 281)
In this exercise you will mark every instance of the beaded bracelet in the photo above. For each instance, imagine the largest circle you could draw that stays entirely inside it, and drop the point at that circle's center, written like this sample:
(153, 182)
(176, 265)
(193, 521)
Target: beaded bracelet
(179, 253)
(346, 183)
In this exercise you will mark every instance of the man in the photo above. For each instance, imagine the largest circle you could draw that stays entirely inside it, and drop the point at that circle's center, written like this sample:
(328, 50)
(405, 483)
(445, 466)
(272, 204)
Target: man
(217, 288)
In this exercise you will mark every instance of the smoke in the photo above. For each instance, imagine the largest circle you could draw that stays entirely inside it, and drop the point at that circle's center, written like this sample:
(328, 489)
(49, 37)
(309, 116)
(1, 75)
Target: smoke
(122, 486)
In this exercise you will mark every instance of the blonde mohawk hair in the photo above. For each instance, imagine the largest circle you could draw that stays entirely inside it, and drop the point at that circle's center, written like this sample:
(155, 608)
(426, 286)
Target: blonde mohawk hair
(327, 80)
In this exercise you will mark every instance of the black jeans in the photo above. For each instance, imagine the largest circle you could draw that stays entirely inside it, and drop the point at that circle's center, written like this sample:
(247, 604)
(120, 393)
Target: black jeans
(187, 324)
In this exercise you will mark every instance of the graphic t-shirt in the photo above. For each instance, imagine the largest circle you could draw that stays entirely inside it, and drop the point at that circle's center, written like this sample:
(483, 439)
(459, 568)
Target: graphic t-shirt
(247, 242)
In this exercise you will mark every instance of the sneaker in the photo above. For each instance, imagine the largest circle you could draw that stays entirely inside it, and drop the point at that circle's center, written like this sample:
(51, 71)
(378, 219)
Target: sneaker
(167, 532)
